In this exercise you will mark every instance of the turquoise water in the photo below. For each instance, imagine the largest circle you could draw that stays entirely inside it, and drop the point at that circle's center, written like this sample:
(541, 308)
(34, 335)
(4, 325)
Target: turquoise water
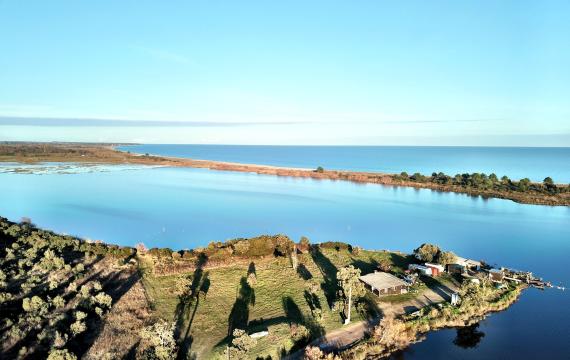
(516, 163)
(184, 208)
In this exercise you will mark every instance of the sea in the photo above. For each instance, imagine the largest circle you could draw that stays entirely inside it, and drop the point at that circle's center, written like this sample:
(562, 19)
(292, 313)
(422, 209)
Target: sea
(184, 208)
(515, 162)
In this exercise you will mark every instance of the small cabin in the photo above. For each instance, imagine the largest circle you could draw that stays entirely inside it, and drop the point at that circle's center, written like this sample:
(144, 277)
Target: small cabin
(468, 263)
(424, 270)
(382, 283)
(496, 275)
(436, 269)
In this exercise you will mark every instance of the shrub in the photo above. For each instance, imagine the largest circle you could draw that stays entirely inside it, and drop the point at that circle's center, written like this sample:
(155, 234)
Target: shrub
(299, 333)
(446, 257)
(160, 337)
(77, 327)
(103, 300)
(35, 305)
(427, 252)
(61, 354)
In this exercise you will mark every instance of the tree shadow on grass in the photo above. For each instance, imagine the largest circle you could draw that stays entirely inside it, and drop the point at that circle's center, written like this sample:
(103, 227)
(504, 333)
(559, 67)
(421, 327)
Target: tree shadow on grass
(313, 300)
(251, 269)
(365, 267)
(303, 272)
(368, 308)
(401, 260)
(295, 317)
(239, 315)
(328, 271)
(188, 305)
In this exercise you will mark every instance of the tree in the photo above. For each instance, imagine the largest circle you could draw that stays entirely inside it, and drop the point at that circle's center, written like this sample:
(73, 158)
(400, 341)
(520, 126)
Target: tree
(348, 280)
(446, 257)
(294, 259)
(141, 248)
(35, 305)
(241, 345)
(160, 337)
(427, 252)
(251, 279)
(320, 169)
(548, 181)
(384, 264)
(304, 244)
(391, 333)
(524, 184)
(549, 185)
(315, 353)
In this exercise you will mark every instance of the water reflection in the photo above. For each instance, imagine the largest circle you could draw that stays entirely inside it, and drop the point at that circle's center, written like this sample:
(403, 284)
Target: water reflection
(469, 337)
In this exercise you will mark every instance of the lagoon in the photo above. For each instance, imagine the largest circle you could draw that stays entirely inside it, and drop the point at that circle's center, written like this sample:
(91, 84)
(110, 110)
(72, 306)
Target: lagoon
(186, 208)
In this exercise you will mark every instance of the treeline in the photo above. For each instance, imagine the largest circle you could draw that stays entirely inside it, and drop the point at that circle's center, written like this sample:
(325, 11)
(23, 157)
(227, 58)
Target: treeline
(167, 261)
(41, 150)
(482, 181)
(246, 248)
(49, 300)
(259, 246)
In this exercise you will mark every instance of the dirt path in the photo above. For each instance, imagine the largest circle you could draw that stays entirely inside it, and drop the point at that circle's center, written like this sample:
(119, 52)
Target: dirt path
(345, 336)
(348, 335)
(340, 338)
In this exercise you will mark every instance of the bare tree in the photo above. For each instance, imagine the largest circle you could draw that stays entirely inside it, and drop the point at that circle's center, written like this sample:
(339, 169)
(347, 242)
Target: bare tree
(348, 280)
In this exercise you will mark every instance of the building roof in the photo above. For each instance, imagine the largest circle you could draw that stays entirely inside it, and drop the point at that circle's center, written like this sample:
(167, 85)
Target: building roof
(437, 266)
(417, 267)
(466, 262)
(382, 280)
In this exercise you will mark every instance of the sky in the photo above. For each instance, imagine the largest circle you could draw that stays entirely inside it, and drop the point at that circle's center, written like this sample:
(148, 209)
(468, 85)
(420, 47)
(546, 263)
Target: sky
(477, 73)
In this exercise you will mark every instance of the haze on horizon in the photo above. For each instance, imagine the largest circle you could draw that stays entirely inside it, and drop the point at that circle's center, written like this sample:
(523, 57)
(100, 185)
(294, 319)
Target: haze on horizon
(322, 72)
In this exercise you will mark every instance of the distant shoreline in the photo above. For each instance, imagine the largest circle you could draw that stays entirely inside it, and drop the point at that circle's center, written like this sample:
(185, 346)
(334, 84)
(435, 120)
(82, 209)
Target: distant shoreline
(108, 154)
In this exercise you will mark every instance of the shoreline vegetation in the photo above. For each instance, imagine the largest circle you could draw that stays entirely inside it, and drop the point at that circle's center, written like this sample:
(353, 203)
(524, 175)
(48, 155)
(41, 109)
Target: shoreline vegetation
(266, 297)
(476, 184)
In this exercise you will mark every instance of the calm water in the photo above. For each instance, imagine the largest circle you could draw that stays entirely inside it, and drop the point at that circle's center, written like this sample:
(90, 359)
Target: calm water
(517, 163)
(185, 208)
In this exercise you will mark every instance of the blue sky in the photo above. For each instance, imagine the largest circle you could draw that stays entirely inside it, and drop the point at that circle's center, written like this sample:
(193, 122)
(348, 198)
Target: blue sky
(287, 72)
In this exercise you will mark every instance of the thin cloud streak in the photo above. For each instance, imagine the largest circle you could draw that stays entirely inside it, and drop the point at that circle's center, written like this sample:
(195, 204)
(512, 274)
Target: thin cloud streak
(161, 54)
(79, 122)
(411, 122)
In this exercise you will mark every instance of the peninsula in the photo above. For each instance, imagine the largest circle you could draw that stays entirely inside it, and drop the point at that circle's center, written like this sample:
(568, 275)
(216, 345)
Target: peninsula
(476, 184)
(265, 297)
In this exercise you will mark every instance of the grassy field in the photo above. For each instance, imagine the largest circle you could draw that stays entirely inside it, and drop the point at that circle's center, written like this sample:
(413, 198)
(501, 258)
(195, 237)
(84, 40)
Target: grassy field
(279, 299)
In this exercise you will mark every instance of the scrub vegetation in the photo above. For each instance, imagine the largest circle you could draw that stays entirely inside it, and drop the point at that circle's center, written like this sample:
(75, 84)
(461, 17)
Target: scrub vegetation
(56, 292)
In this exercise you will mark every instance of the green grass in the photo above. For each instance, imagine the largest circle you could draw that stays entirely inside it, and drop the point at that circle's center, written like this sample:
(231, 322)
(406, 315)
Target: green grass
(276, 300)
